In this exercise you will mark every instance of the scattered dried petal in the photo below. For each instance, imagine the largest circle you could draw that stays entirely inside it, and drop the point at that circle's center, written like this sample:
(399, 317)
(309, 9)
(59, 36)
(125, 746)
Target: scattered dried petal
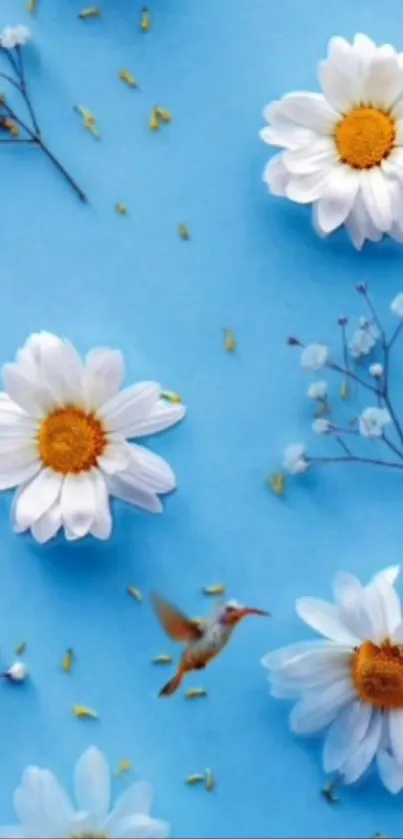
(323, 410)
(230, 342)
(209, 780)
(89, 119)
(196, 693)
(194, 779)
(328, 793)
(163, 659)
(82, 712)
(10, 125)
(183, 231)
(155, 123)
(20, 648)
(145, 21)
(92, 11)
(32, 6)
(345, 390)
(68, 659)
(128, 77)
(214, 590)
(121, 209)
(135, 593)
(125, 765)
(171, 396)
(163, 114)
(276, 483)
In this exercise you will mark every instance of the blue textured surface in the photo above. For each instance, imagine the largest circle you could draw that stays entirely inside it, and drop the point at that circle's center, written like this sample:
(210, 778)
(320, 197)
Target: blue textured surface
(254, 264)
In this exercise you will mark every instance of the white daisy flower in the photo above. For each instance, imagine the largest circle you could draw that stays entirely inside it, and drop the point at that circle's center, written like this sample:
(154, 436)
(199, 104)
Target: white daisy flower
(64, 426)
(372, 421)
(317, 390)
(397, 305)
(314, 356)
(351, 683)
(376, 370)
(321, 426)
(294, 460)
(44, 809)
(14, 36)
(343, 148)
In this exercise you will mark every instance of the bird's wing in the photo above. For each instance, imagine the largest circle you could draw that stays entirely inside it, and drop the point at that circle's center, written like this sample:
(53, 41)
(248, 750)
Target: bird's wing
(176, 624)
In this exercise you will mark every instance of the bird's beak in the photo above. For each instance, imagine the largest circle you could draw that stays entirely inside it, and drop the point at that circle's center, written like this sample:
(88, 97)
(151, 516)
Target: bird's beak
(246, 612)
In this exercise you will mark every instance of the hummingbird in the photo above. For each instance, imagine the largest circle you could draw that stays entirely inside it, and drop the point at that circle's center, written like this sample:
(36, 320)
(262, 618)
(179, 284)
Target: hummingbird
(204, 639)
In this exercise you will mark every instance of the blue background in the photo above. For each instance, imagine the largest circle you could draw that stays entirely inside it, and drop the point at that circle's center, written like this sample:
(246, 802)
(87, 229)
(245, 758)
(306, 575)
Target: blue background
(254, 264)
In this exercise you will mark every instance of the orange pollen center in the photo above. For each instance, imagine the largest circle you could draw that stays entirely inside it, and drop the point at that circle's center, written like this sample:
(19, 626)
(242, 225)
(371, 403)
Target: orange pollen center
(70, 440)
(365, 137)
(378, 675)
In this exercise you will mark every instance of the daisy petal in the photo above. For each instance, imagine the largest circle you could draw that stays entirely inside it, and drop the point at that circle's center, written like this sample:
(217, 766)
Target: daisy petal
(276, 177)
(134, 495)
(390, 772)
(285, 136)
(382, 79)
(162, 416)
(337, 85)
(92, 783)
(104, 374)
(309, 110)
(132, 404)
(314, 668)
(359, 762)
(17, 454)
(154, 470)
(319, 708)
(303, 161)
(278, 658)
(138, 798)
(307, 188)
(19, 476)
(341, 54)
(376, 193)
(345, 734)
(102, 526)
(21, 390)
(37, 498)
(48, 525)
(56, 803)
(28, 804)
(116, 456)
(337, 198)
(78, 503)
(396, 734)
(324, 618)
(142, 827)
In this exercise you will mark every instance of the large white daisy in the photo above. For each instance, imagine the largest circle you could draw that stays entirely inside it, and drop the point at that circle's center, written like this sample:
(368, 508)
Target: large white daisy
(64, 426)
(351, 683)
(45, 811)
(343, 148)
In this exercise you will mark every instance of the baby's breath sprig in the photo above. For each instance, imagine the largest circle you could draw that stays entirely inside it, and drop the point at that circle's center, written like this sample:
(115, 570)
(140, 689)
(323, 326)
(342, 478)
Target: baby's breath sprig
(17, 130)
(364, 368)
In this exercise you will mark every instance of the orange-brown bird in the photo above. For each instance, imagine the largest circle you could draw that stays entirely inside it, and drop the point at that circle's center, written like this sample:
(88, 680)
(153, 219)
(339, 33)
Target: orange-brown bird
(204, 640)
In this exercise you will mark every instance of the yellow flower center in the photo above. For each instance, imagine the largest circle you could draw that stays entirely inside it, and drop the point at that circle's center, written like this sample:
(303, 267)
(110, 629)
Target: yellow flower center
(378, 675)
(365, 137)
(70, 440)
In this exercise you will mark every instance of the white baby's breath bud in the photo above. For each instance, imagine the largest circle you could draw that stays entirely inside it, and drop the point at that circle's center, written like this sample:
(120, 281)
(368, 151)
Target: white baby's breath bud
(372, 422)
(14, 36)
(295, 461)
(314, 356)
(376, 370)
(397, 305)
(321, 426)
(17, 672)
(317, 390)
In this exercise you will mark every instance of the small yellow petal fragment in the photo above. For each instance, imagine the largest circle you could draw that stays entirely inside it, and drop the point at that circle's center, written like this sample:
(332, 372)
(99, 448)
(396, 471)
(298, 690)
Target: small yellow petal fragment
(67, 663)
(196, 693)
(163, 114)
(323, 410)
(209, 780)
(230, 342)
(32, 6)
(192, 780)
(135, 593)
(214, 590)
(155, 124)
(128, 77)
(121, 209)
(145, 21)
(345, 390)
(92, 11)
(10, 125)
(276, 483)
(183, 231)
(125, 766)
(163, 659)
(20, 648)
(171, 396)
(82, 712)
(90, 122)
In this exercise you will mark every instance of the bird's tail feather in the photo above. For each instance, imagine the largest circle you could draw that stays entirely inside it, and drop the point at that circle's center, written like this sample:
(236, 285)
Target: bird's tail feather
(171, 686)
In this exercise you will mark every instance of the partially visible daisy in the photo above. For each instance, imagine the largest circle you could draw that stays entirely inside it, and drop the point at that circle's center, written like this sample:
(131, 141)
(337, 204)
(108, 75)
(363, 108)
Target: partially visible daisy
(342, 149)
(64, 426)
(14, 36)
(294, 460)
(350, 683)
(44, 809)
